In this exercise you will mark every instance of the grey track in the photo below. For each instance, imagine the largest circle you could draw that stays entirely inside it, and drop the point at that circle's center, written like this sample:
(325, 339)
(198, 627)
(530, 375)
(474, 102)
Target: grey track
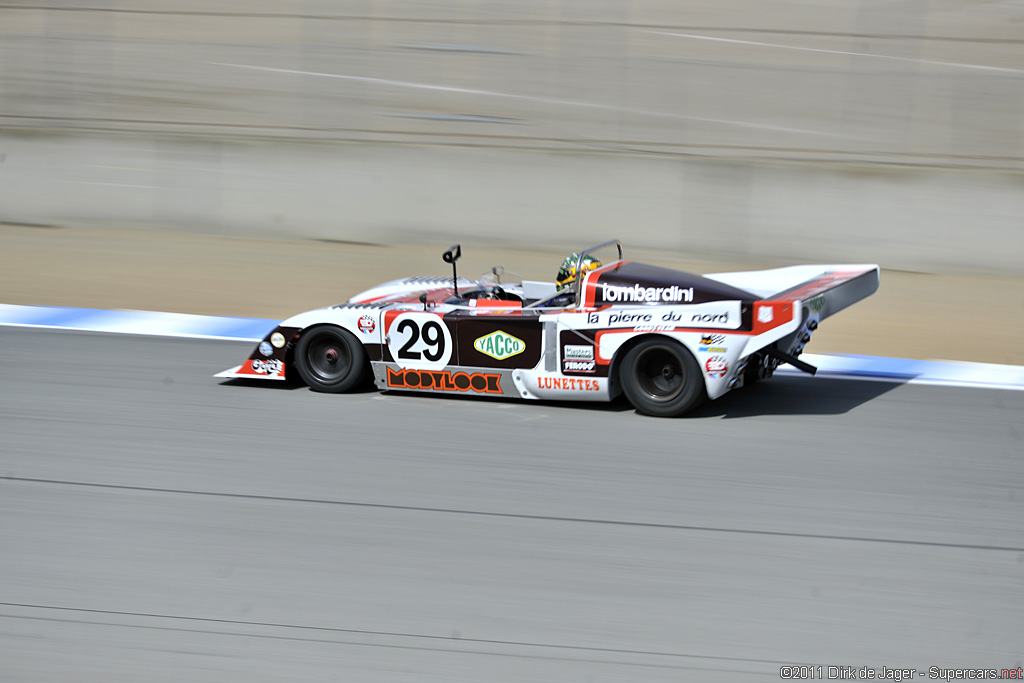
(157, 524)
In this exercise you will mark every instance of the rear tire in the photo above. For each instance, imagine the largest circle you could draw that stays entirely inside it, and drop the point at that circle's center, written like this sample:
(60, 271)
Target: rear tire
(331, 359)
(661, 378)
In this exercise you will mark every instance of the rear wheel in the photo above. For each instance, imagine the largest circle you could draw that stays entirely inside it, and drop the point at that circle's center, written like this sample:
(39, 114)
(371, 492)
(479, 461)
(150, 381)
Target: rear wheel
(661, 378)
(331, 359)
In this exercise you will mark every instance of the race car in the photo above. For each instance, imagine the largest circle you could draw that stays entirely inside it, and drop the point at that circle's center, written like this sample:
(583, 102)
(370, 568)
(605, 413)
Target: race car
(667, 339)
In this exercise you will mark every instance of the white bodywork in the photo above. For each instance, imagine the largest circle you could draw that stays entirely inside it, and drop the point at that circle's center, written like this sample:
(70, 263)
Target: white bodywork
(711, 331)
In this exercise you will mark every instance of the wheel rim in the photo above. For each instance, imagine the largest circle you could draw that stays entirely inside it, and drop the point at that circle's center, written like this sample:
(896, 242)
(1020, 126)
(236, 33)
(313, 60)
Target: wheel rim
(327, 357)
(660, 374)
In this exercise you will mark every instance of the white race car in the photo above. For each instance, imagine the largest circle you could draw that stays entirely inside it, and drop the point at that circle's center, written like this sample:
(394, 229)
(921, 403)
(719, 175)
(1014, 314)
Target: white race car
(667, 339)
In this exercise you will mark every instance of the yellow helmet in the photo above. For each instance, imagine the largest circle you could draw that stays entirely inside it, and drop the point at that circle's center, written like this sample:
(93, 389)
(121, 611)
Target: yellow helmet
(567, 273)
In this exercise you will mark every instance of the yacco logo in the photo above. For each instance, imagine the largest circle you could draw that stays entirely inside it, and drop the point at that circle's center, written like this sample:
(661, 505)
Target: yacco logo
(444, 380)
(639, 293)
(500, 345)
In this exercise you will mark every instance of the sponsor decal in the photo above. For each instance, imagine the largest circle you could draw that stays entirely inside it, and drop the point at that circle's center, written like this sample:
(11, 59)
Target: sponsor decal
(366, 324)
(772, 314)
(578, 352)
(712, 314)
(266, 367)
(696, 318)
(817, 303)
(419, 340)
(266, 349)
(445, 380)
(277, 339)
(716, 367)
(568, 384)
(718, 319)
(587, 366)
(708, 342)
(629, 318)
(640, 294)
(499, 345)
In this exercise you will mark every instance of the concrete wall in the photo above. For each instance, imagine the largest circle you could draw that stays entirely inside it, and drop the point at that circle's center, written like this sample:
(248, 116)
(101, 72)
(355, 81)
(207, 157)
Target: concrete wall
(924, 82)
(900, 216)
(846, 130)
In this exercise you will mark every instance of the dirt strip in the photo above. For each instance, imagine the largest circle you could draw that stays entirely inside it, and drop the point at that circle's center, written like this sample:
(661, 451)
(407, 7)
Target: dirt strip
(913, 315)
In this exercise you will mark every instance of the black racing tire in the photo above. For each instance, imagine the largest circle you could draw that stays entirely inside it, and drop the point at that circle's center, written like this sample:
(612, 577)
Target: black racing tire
(331, 359)
(660, 377)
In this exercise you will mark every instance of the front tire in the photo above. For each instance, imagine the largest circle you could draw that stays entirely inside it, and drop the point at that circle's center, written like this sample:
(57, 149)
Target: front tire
(661, 378)
(331, 359)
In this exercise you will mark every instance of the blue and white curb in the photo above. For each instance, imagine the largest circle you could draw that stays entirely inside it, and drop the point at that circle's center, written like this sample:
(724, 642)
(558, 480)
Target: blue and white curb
(137, 322)
(943, 373)
(946, 373)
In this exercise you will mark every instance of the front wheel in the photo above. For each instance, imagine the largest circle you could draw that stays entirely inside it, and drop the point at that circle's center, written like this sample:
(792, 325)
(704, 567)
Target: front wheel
(331, 359)
(661, 378)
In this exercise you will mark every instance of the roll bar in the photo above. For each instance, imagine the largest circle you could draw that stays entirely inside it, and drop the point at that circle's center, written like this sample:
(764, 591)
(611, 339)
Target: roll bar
(578, 283)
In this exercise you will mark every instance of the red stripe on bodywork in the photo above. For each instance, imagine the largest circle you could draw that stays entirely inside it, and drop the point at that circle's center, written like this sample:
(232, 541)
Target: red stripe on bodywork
(247, 368)
(389, 317)
(369, 299)
(590, 282)
(626, 330)
(781, 313)
(437, 295)
(819, 284)
(495, 307)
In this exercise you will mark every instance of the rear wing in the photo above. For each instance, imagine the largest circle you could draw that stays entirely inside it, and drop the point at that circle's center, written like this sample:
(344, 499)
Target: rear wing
(825, 290)
(831, 292)
(794, 300)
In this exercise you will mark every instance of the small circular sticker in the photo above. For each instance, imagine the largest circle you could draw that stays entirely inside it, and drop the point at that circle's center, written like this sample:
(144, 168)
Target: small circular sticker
(366, 324)
(716, 367)
(277, 339)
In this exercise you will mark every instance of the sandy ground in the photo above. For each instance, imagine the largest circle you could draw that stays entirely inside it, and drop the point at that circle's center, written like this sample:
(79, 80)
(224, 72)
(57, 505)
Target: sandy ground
(913, 315)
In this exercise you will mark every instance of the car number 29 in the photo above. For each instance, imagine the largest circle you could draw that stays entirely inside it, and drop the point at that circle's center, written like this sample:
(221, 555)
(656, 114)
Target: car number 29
(420, 340)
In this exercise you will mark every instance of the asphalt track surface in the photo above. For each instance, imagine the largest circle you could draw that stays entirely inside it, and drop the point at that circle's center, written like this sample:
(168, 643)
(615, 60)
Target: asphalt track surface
(157, 524)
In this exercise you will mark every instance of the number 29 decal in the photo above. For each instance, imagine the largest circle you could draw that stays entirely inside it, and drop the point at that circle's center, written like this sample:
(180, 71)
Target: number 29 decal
(419, 340)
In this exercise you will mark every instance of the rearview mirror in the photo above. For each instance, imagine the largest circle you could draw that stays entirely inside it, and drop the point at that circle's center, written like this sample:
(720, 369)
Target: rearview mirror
(453, 254)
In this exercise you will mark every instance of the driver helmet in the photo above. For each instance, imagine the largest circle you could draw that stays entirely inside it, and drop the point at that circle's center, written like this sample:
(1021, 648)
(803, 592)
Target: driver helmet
(567, 273)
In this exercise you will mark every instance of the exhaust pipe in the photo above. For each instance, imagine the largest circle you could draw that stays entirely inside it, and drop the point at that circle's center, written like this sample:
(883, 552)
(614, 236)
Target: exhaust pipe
(783, 357)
